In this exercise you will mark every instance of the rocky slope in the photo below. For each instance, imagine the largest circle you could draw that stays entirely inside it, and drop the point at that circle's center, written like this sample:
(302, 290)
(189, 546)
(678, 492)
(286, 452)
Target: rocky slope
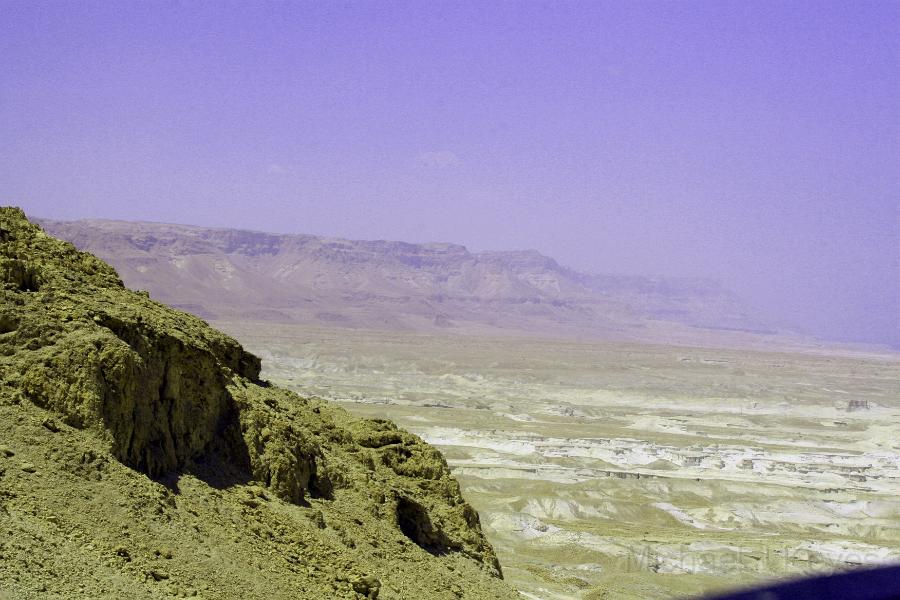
(142, 457)
(241, 275)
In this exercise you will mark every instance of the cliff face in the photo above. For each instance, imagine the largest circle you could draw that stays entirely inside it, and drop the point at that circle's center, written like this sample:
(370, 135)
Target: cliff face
(395, 285)
(105, 393)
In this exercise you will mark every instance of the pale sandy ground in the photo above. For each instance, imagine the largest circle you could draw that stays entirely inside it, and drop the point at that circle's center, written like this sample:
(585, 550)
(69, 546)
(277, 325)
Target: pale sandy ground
(627, 470)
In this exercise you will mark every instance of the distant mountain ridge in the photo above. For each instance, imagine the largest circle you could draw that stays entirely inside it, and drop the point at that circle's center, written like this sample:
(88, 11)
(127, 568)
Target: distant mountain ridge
(230, 274)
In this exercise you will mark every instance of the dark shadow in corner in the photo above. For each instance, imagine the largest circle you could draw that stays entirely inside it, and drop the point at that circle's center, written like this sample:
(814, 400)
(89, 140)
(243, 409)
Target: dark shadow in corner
(320, 486)
(415, 523)
(226, 461)
(168, 481)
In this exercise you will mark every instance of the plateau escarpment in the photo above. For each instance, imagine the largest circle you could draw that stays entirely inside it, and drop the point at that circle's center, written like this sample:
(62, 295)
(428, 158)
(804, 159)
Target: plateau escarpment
(231, 275)
(142, 456)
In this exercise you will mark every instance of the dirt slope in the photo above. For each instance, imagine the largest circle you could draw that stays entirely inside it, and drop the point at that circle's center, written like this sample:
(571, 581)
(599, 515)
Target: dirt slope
(142, 457)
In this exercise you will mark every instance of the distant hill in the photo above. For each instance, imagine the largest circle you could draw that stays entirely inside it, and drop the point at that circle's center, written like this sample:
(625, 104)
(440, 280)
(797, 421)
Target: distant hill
(227, 274)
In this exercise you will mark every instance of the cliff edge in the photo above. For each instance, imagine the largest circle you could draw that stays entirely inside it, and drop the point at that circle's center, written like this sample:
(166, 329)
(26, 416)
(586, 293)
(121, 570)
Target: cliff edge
(142, 457)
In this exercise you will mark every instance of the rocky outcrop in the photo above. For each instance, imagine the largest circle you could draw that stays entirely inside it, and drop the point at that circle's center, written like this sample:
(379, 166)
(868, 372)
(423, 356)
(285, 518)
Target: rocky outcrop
(167, 395)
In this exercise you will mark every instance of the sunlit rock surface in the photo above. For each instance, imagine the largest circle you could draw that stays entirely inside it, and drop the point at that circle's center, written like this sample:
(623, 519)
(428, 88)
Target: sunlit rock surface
(141, 456)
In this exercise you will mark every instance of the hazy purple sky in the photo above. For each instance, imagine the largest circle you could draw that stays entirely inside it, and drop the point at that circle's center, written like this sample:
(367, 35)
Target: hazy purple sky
(754, 142)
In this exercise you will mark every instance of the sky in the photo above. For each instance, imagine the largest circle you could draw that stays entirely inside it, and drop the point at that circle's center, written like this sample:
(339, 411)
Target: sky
(757, 143)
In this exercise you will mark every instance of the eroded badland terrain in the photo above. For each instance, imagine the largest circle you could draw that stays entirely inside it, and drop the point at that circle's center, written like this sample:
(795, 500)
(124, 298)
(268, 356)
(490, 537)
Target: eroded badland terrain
(631, 470)
(624, 468)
